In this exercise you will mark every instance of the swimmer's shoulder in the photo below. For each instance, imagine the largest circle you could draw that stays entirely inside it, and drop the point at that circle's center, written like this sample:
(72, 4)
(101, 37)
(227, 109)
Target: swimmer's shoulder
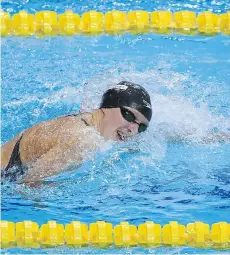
(81, 117)
(40, 138)
(61, 124)
(73, 126)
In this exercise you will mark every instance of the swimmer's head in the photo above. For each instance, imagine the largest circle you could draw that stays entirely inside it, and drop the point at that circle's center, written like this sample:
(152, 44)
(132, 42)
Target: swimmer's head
(128, 111)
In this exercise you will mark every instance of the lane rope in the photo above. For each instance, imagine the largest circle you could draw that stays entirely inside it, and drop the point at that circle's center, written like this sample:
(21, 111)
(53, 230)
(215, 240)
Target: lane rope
(50, 23)
(28, 234)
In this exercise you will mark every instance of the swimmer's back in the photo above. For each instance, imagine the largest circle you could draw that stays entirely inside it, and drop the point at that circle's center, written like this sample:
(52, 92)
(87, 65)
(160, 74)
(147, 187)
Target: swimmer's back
(42, 137)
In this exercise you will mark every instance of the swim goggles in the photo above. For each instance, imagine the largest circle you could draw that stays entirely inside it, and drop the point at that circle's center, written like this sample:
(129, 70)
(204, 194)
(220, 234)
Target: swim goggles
(130, 117)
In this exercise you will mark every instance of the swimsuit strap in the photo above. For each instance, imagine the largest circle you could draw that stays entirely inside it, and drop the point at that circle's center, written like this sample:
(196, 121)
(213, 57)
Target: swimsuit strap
(76, 115)
(15, 161)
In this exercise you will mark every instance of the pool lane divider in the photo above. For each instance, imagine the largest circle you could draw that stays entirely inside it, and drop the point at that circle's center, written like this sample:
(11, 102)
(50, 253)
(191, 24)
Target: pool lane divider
(50, 23)
(101, 234)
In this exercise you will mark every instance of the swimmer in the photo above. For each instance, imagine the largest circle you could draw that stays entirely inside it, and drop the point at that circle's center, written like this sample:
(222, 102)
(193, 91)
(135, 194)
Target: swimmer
(51, 147)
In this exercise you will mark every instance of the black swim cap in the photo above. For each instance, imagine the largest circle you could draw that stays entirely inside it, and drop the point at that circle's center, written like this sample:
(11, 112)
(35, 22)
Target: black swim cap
(128, 94)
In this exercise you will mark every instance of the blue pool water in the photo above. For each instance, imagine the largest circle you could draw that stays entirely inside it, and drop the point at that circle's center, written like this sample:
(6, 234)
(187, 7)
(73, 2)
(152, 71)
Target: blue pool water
(188, 78)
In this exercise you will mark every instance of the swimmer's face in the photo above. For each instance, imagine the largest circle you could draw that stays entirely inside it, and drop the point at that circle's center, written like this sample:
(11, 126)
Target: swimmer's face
(120, 123)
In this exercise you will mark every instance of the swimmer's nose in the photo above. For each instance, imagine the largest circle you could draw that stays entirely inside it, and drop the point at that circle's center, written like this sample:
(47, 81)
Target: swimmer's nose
(133, 128)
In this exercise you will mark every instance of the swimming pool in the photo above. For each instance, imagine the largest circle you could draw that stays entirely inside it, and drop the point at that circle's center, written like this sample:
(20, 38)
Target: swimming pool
(188, 78)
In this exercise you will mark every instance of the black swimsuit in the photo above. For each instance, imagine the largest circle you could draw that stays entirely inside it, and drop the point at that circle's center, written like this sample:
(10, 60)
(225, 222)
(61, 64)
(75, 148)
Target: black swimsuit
(15, 168)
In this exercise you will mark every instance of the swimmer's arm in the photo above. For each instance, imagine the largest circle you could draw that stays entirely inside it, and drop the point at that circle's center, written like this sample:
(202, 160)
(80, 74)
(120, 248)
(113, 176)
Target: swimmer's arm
(59, 158)
(68, 154)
